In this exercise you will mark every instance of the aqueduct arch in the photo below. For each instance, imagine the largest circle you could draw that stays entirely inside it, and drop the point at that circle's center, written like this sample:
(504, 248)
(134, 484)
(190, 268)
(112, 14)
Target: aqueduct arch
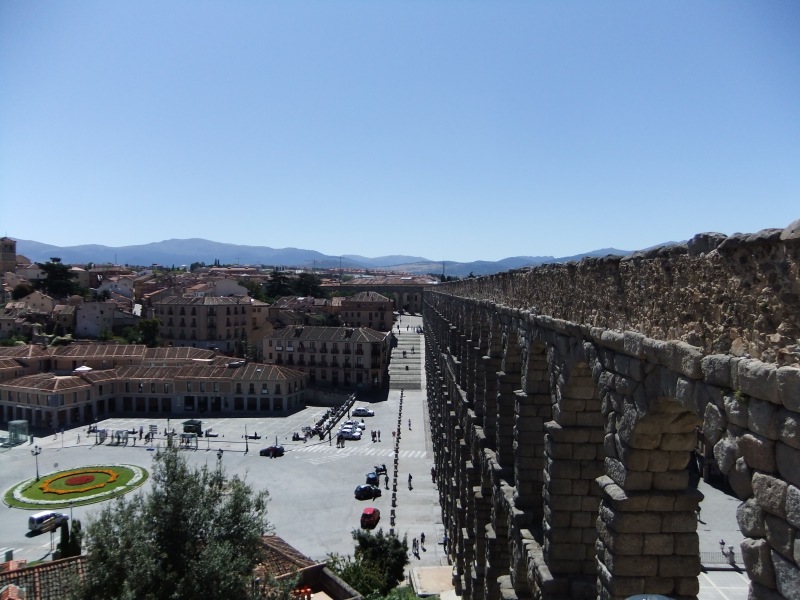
(566, 402)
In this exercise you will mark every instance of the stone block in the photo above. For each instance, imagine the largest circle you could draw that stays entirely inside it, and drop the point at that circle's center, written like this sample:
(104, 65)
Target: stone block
(789, 427)
(658, 544)
(788, 462)
(631, 566)
(678, 441)
(788, 379)
(687, 586)
(627, 479)
(780, 535)
(584, 452)
(678, 522)
(625, 522)
(792, 507)
(770, 493)
(633, 344)
(590, 418)
(726, 451)
(626, 543)
(687, 543)
(683, 358)
(736, 409)
(717, 369)
(714, 423)
(670, 480)
(658, 460)
(761, 418)
(759, 380)
(740, 478)
(758, 451)
(750, 517)
(758, 561)
(787, 576)
(678, 566)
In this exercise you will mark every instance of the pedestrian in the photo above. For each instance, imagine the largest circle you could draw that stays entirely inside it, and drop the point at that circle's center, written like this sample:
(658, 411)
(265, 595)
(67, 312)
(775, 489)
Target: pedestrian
(414, 546)
(393, 433)
(433, 474)
(409, 424)
(379, 435)
(409, 481)
(422, 539)
(386, 481)
(79, 438)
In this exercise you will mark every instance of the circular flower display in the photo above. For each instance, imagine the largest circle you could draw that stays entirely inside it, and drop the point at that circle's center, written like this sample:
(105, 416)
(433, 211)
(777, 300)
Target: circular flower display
(79, 480)
(83, 485)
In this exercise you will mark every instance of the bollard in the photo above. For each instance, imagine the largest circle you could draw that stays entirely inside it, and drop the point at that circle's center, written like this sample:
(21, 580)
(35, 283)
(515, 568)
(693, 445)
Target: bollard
(394, 499)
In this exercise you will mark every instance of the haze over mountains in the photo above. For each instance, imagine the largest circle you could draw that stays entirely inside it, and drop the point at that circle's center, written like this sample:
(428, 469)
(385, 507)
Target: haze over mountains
(184, 252)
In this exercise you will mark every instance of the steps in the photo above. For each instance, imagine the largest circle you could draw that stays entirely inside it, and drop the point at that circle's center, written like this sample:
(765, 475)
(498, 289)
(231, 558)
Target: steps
(406, 372)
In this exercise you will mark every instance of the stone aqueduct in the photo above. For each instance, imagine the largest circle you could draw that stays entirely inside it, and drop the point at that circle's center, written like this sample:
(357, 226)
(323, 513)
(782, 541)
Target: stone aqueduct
(566, 402)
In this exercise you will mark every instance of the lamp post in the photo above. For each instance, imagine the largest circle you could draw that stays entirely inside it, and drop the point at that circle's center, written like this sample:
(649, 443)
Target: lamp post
(71, 502)
(36, 451)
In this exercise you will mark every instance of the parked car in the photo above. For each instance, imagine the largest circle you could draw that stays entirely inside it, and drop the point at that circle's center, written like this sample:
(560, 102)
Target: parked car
(380, 469)
(363, 411)
(367, 492)
(370, 517)
(47, 520)
(358, 424)
(274, 451)
(351, 434)
(373, 479)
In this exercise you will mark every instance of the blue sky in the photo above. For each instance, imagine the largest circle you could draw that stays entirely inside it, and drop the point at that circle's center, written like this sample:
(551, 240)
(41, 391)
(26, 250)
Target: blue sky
(449, 130)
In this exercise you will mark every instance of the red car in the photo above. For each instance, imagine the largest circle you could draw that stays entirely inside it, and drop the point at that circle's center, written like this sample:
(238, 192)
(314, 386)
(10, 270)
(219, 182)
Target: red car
(370, 518)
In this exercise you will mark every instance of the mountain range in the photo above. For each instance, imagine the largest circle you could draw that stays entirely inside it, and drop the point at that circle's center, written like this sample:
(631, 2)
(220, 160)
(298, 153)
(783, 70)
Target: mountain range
(184, 252)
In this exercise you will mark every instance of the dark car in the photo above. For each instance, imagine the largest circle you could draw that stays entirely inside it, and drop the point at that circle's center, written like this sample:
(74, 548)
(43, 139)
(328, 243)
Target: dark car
(272, 451)
(373, 479)
(367, 492)
(370, 518)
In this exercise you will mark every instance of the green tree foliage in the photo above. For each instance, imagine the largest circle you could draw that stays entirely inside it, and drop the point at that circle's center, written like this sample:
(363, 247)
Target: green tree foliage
(58, 280)
(308, 284)
(377, 565)
(255, 289)
(196, 535)
(21, 290)
(278, 285)
(148, 332)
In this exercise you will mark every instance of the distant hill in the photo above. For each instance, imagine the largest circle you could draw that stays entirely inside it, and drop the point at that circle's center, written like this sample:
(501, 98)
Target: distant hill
(184, 252)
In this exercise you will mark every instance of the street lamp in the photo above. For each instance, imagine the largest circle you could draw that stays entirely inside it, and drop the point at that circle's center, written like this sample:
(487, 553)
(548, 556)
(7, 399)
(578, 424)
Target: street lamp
(36, 451)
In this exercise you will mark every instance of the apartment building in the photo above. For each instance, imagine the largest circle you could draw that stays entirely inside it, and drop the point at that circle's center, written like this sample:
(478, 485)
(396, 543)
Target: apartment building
(333, 356)
(366, 309)
(211, 321)
(134, 380)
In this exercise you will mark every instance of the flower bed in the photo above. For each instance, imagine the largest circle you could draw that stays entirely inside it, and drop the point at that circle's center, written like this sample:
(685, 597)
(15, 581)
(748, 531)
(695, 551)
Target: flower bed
(84, 485)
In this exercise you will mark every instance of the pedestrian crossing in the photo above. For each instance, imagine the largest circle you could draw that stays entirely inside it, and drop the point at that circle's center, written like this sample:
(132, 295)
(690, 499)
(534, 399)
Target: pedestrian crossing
(324, 453)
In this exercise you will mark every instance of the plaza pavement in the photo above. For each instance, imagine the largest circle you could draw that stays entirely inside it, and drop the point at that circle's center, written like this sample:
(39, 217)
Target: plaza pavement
(311, 487)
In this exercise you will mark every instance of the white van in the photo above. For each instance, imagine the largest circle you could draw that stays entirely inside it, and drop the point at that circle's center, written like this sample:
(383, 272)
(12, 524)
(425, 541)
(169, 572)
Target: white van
(46, 520)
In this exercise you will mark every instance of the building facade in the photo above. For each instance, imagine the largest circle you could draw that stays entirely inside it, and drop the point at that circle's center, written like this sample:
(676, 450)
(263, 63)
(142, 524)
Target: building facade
(211, 321)
(57, 387)
(333, 356)
(367, 309)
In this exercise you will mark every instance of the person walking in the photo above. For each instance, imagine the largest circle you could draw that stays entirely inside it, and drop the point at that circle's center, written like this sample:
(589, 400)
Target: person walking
(422, 539)
(409, 481)
(379, 435)
(386, 481)
(409, 424)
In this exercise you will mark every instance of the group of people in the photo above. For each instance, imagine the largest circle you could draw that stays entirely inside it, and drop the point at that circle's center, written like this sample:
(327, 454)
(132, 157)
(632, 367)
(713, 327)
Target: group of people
(416, 544)
(376, 435)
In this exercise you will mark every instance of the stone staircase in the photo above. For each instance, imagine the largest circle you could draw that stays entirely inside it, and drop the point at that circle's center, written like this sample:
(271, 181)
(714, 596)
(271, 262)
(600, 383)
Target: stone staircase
(406, 372)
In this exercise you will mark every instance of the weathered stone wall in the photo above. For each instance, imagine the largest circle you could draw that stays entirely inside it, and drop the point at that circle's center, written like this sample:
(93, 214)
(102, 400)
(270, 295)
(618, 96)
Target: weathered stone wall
(563, 432)
(736, 295)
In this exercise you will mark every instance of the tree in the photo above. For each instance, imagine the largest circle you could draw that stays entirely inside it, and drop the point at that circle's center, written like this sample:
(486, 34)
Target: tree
(377, 565)
(58, 278)
(21, 290)
(148, 332)
(308, 284)
(196, 535)
(278, 285)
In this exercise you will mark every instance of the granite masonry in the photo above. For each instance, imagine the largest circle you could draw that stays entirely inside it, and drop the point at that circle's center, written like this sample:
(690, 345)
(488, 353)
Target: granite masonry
(567, 402)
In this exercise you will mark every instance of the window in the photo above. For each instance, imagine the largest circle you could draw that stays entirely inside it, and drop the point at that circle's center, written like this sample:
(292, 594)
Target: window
(188, 386)
(252, 388)
(202, 386)
(264, 389)
(141, 387)
(216, 386)
(166, 388)
(277, 388)
(152, 387)
(238, 388)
